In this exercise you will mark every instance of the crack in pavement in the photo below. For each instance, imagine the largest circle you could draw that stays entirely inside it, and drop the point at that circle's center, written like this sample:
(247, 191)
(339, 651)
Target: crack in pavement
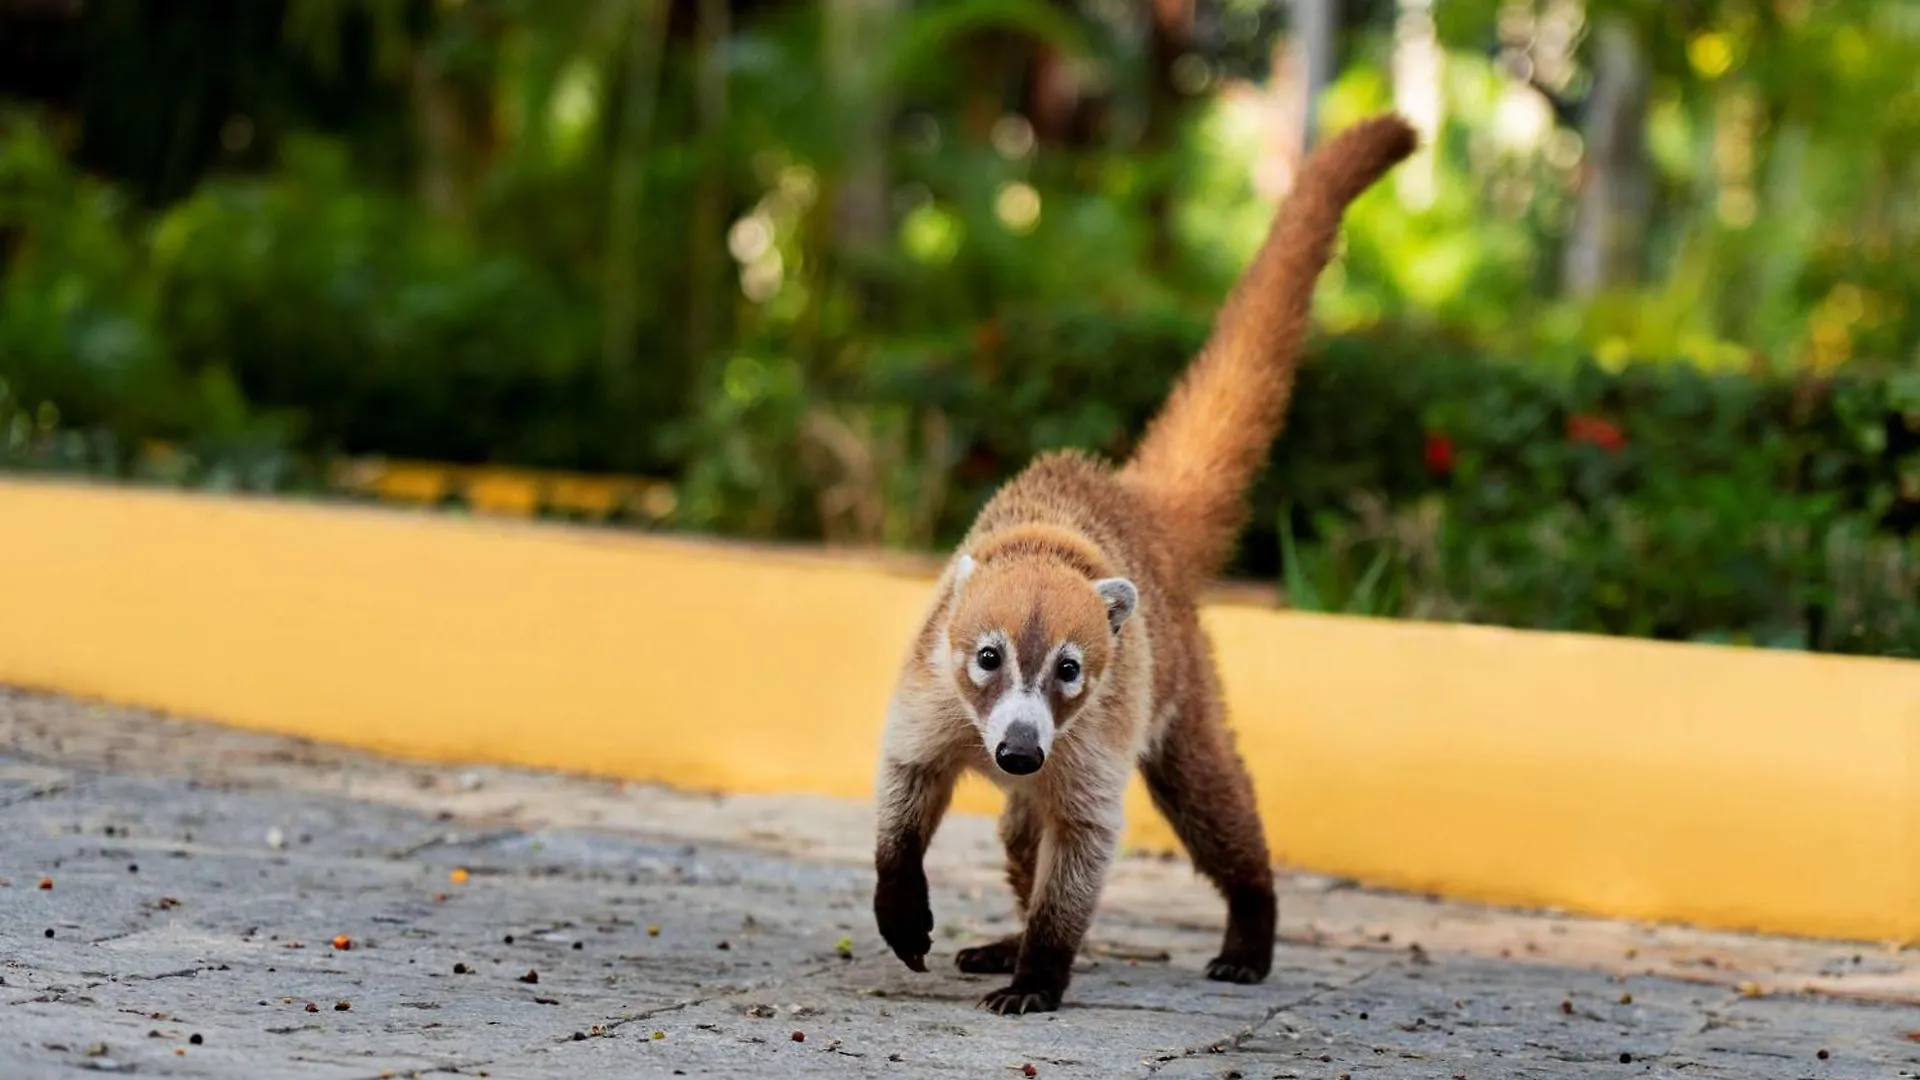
(608, 1027)
(446, 839)
(36, 794)
(1231, 1043)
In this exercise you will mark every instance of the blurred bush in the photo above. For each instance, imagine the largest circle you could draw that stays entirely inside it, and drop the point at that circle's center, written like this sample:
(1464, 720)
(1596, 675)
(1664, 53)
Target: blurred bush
(260, 325)
(87, 370)
(1653, 500)
(833, 291)
(387, 332)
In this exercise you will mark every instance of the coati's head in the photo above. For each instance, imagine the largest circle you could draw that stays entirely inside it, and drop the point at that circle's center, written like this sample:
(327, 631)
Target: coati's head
(1030, 639)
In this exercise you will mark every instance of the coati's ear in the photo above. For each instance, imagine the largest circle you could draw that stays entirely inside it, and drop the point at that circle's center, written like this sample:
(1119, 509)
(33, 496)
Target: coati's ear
(1120, 597)
(963, 566)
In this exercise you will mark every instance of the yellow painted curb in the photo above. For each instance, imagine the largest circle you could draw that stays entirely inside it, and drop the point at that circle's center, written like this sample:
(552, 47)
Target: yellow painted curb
(500, 491)
(1717, 786)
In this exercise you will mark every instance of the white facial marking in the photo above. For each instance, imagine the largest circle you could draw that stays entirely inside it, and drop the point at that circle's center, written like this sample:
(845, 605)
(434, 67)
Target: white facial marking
(962, 569)
(992, 646)
(1020, 706)
(1070, 688)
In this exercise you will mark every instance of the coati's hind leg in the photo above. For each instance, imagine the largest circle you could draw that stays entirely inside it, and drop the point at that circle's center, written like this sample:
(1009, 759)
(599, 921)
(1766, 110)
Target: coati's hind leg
(1020, 832)
(1200, 785)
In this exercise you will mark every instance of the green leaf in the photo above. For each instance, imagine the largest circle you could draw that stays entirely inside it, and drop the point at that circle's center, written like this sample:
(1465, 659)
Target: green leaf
(1301, 594)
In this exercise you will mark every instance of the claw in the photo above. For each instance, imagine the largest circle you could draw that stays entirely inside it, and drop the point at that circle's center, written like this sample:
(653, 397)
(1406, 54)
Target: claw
(1223, 970)
(1019, 1003)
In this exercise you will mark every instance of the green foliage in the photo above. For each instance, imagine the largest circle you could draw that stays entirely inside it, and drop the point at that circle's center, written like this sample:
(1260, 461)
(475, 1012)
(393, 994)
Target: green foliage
(86, 372)
(1655, 501)
(1314, 579)
(388, 333)
(1414, 480)
(497, 231)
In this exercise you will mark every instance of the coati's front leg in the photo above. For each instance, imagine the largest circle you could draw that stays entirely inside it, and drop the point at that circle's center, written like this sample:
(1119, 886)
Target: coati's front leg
(913, 798)
(1074, 856)
(1020, 831)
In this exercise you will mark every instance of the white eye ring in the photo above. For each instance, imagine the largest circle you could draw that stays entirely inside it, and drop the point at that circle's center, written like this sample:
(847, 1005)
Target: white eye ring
(1070, 671)
(990, 654)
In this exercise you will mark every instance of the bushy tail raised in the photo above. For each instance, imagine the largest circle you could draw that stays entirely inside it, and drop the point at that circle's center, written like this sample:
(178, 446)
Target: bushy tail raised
(1199, 456)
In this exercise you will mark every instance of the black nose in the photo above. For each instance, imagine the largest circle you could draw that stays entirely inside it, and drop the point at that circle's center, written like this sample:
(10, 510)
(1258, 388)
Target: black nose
(1019, 761)
(1019, 753)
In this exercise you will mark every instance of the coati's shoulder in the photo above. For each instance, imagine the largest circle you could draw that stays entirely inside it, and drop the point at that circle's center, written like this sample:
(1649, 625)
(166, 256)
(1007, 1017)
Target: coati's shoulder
(1071, 488)
(1071, 506)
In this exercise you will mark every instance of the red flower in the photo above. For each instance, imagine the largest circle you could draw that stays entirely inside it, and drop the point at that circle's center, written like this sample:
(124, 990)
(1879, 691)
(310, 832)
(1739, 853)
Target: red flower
(988, 337)
(1596, 431)
(1439, 454)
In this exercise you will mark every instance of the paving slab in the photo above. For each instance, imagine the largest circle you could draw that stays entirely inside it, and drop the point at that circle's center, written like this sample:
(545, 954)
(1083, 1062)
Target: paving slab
(182, 899)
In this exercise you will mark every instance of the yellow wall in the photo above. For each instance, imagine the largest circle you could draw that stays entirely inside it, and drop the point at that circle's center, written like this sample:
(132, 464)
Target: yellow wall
(1718, 786)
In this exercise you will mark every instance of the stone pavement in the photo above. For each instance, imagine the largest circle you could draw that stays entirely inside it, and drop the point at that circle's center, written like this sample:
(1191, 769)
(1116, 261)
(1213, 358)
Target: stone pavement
(185, 900)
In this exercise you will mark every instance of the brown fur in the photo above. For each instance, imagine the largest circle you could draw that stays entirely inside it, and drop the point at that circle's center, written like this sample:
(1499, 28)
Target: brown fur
(1075, 563)
(1201, 454)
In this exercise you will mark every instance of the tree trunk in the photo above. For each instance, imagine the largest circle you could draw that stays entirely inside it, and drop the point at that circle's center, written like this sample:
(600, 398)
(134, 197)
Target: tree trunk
(646, 28)
(440, 172)
(1610, 221)
(709, 284)
(1053, 99)
(855, 31)
(1170, 32)
(1418, 95)
(1314, 24)
(454, 123)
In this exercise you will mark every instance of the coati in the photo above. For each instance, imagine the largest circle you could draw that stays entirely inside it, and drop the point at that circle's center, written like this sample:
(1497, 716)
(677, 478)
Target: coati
(1062, 648)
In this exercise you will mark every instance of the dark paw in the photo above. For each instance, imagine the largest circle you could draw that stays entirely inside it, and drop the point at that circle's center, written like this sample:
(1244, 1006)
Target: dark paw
(1229, 969)
(1018, 1001)
(906, 922)
(993, 958)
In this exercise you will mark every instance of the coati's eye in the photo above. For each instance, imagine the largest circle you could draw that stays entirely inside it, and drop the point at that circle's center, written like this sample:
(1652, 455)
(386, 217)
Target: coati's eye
(988, 658)
(1067, 670)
